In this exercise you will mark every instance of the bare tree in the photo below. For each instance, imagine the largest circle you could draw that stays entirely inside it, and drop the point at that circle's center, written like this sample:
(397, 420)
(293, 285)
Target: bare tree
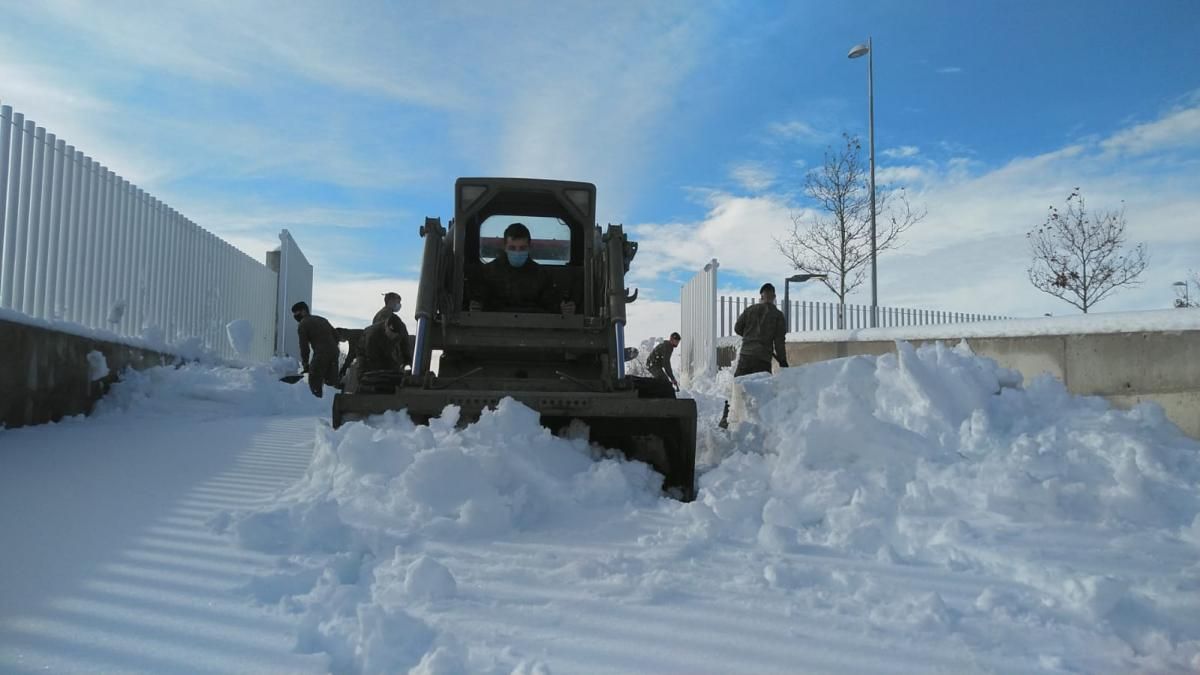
(1079, 257)
(836, 241)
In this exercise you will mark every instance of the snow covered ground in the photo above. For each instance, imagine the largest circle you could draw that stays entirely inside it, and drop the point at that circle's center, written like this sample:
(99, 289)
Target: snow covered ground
(914, 512)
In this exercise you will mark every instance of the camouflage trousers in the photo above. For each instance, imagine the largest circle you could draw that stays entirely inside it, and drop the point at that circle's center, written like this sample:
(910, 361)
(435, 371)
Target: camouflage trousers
(322, 370)
(748, 365)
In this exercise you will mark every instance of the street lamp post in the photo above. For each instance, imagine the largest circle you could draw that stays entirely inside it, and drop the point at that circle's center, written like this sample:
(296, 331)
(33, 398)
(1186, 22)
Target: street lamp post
(855, 52)
(787, 298)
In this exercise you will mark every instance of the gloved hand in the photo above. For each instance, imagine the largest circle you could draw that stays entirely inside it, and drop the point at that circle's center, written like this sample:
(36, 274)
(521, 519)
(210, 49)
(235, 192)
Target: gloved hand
(676, 385)
(304, 369)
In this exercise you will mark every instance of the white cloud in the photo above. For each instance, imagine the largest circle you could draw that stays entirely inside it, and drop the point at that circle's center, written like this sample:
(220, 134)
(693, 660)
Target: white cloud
(1177, 129)
(797, 130)
(736, 230)
(523, 100)
(949, 70)
(651, 318)
(588, 108)
(902, 151)
(970, 253)
(901, 176)
(76, 114)
(753, 176)
(235, 44)
(350, 300)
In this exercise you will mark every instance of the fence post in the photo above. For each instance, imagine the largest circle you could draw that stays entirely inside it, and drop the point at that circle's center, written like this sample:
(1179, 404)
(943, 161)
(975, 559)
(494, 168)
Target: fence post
(117, 292)
(99, 235)
(5, 146)
(62, 252)
(83, 227)
(27, 237)
(55, 274)
(16, 179)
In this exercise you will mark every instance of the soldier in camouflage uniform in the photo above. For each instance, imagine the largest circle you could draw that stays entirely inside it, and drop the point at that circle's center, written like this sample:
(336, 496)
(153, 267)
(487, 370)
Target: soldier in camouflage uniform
(316, 333)
(384, 347)
(391, 305)
(659, 363)
(514, 282)
(762, 327)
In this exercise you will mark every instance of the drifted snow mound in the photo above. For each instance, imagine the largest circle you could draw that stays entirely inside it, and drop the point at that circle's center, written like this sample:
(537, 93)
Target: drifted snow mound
(97, 366)
(241, 336)
(924, 503)
(376, 494)
(196, 388)
(502, 474)
(875, 453)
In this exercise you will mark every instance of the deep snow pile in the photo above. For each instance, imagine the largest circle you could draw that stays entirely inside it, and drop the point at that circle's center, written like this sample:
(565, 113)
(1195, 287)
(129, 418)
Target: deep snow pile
(198, 388)
(924, 504)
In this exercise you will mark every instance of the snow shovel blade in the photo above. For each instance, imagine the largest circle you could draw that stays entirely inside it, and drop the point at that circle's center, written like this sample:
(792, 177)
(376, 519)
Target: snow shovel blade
(291, 379)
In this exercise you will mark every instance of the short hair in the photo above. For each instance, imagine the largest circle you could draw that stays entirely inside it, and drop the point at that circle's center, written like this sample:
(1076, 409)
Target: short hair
(299, 306)
(393, 322)
(676, 336)
(767, 288)
(517, 231)
(391, 294)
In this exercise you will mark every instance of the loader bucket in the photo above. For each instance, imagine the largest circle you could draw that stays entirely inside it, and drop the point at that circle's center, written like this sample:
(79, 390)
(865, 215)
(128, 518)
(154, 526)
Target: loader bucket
(660, 432)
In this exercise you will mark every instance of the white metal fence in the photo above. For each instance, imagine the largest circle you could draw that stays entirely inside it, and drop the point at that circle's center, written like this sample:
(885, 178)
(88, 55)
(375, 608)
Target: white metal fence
(81, 244)
(295, 285)
(698, 325)
(804, 315)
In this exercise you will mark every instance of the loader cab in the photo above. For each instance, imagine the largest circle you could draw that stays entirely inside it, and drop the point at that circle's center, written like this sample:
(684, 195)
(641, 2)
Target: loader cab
(524, 344)
(560, 216)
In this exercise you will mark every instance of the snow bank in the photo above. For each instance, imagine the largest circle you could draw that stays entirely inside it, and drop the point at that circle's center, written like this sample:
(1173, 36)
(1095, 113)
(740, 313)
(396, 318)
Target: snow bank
(152, 338)
(97, 366)
(199, 389)
(939, 430)
(375, 494)
(116, 312)
(921, 497)
(241, 336)
(934, 456)
(502, 474)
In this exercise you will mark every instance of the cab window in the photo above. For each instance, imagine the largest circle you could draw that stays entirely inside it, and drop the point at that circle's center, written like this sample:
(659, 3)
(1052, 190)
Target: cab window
(550, 242)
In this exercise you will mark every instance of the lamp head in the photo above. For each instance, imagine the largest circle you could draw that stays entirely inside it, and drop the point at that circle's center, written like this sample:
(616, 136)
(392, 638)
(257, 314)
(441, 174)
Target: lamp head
(858, 50)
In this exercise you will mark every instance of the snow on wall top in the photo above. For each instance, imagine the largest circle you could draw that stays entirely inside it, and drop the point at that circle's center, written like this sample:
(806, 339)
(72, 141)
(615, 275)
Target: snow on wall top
(151, 340)
(1168, 320)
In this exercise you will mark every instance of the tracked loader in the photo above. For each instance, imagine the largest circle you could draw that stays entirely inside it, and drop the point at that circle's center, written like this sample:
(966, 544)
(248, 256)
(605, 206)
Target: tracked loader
(566, 366)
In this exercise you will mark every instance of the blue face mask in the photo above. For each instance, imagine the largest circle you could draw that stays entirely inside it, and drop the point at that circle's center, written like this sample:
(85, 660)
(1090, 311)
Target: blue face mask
(517, 258)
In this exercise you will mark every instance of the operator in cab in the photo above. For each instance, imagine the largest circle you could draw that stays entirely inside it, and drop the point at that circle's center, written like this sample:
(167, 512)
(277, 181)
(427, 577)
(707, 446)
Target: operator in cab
(515, 282)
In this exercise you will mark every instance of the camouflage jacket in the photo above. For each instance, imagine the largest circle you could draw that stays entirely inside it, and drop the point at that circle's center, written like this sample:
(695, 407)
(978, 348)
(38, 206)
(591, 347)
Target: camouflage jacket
(382, 315)
(383, 352)
(763, 328)
(316, 335)
(528, 288)
(660, 357)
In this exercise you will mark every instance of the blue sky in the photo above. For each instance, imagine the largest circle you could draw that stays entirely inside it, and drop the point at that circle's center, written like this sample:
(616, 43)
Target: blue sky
(347, 124)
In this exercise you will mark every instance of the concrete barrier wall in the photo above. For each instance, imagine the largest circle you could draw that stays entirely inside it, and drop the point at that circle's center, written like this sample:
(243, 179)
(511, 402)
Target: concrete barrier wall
(1125, 368)
(44, 374)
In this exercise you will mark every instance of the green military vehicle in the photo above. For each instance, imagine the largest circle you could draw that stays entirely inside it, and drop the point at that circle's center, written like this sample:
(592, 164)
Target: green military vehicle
(565, 366)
